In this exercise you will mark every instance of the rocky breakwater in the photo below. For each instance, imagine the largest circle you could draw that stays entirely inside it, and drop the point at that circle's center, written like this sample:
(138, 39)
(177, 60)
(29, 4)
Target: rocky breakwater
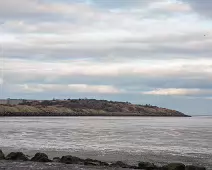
(88, 163)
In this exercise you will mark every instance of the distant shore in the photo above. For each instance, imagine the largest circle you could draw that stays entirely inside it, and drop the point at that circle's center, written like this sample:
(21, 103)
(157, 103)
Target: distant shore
(85, 107)
(81, 114)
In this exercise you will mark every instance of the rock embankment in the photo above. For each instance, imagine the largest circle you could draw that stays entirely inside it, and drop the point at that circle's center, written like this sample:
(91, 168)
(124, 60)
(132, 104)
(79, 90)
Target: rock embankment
(69, 159)
(85, 107)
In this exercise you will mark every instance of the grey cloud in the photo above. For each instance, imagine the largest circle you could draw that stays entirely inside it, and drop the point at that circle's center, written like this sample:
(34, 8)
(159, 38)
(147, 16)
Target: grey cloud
(104, 44)
(132, 83)
(30, 17)
(203, 7)
(120, 3)
(85, 43)
(108, 36)
(110, 51)
(34, 11)
(18, 10)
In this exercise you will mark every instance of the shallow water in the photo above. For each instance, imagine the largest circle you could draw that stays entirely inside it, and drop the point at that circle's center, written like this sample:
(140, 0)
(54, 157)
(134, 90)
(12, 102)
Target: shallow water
(130, 139)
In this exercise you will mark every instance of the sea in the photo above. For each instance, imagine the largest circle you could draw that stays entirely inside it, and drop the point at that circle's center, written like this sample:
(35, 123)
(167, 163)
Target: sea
(130, 139)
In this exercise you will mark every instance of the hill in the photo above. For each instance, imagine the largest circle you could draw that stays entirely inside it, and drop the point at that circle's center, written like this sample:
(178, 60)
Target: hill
(84, 107)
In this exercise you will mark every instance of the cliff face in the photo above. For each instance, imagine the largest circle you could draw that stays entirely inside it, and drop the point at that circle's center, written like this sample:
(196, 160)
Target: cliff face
(84, 107)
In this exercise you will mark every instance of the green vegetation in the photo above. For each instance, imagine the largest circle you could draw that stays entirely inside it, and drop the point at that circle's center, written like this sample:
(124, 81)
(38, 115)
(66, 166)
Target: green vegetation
(84, 107)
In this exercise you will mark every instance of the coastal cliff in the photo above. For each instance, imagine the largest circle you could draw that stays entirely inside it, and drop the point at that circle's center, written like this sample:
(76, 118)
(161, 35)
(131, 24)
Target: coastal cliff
(84, 107)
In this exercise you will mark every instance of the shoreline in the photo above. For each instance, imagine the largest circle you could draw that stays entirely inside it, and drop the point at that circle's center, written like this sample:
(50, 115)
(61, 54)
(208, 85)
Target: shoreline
(76, 115)
(89, 113)
(39, 157)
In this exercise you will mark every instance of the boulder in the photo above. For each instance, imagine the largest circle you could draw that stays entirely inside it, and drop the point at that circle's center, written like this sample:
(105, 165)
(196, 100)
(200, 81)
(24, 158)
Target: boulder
(41, 157)
(95, 162)
(174, 166)
(91, 163)
(146, 165)
(136, 167)
(19, 156)
(71, 160)
(1, 155)
(120, 164)
(191, 167)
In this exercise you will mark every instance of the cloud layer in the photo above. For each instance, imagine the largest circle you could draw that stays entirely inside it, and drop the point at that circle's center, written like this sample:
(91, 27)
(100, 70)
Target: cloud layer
(155, 52)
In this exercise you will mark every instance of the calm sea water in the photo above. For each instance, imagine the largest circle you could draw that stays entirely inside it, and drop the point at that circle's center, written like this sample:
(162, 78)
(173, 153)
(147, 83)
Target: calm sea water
(129, 139)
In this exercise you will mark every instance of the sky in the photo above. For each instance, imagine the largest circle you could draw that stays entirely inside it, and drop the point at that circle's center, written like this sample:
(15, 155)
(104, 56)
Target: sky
(154, 52)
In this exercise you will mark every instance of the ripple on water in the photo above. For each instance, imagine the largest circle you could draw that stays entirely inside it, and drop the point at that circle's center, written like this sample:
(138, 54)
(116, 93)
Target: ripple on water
(175, 136)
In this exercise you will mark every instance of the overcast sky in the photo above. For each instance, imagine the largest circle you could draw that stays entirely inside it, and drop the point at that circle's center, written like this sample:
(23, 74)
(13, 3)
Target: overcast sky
(155, 52)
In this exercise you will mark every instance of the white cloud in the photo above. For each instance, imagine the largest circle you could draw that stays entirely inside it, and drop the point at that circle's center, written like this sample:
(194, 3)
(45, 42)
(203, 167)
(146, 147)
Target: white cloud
(31, 89)
(151, 68)
(170, 6)
(82, 88)
(99, 33)
(93, 88)
(1, 81)
(135, 39)
(178, 92)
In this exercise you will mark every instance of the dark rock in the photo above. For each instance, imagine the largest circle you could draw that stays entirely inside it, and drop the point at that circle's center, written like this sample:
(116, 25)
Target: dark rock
(95, 162)
(134, 167)
(120, 164)
(91, 163)
(41, 157)
(56, 159)
(1, 155)
(27, 156)
(174, 166)
(103, 163)
(71, 160)
(17, 156)
(146, 165)
(191, 167)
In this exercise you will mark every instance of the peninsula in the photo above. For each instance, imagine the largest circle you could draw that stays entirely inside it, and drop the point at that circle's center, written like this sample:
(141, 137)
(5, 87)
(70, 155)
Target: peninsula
(83, 107)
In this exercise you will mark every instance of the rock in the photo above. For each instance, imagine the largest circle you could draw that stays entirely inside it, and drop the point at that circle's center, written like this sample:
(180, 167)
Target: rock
(71, 160)
(95, 162)
(191, 167)
(19, 156)
(146, 165)
(28, 156)
(134, 167)
(41, 157)
(120, 164)
(1, 155)
(174, 166)
(56, 159)
(91, 163)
